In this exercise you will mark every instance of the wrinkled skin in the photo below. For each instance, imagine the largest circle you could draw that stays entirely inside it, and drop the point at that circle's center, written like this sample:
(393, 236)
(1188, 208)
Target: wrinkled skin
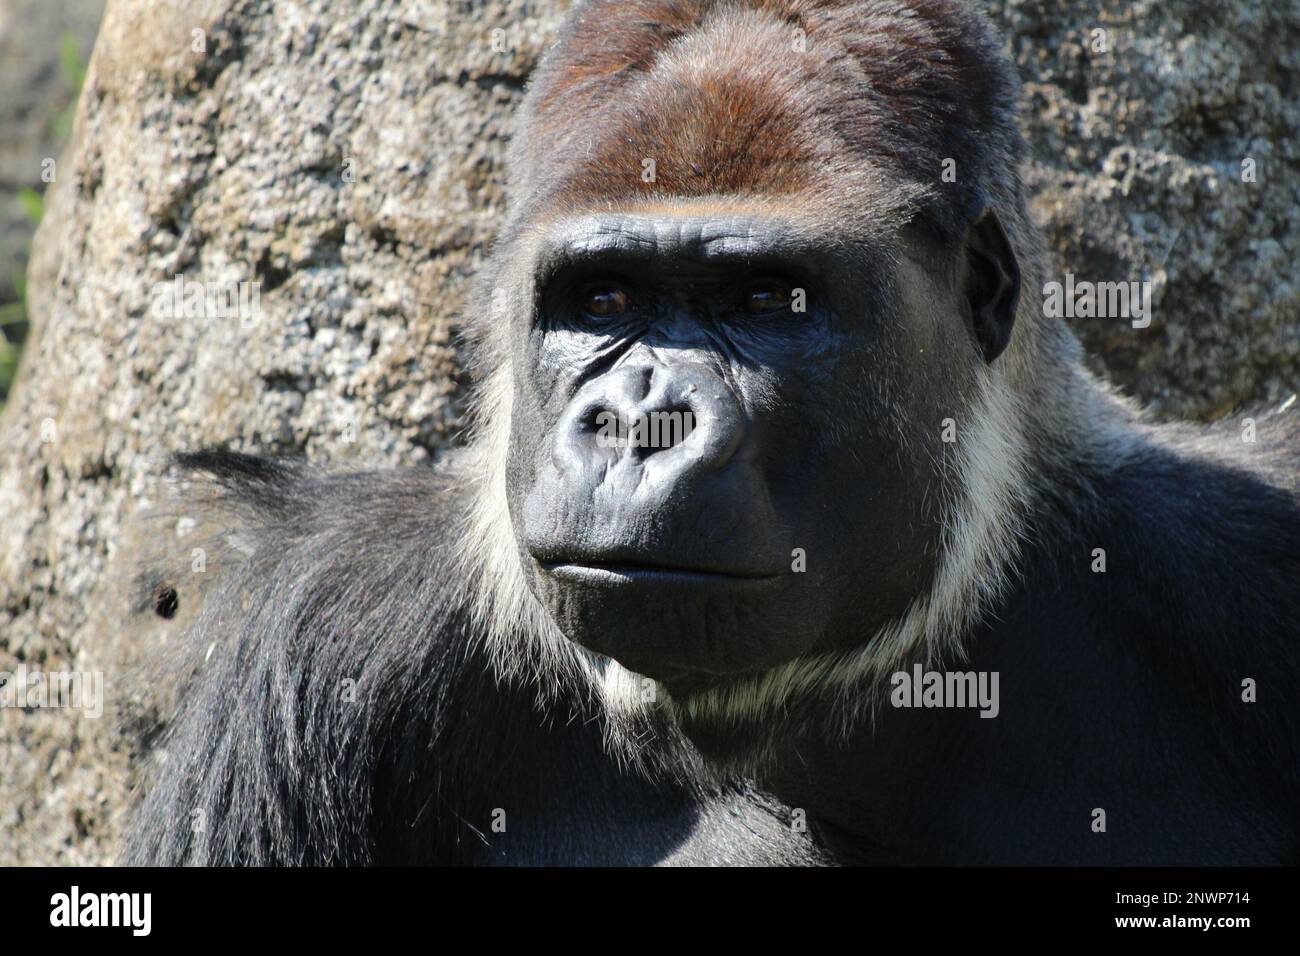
(680, 561)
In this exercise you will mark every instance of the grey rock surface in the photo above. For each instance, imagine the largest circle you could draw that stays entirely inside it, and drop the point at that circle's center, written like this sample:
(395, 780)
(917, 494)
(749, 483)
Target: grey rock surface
(1140, 153)
(349, 158)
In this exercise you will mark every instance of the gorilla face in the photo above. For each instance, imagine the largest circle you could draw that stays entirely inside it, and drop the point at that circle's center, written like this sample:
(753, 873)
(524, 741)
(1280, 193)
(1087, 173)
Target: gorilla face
(721, 451)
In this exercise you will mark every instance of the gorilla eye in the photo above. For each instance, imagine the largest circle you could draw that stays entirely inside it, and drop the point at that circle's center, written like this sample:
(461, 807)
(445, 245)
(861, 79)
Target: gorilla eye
(767, 296)
(603, 301)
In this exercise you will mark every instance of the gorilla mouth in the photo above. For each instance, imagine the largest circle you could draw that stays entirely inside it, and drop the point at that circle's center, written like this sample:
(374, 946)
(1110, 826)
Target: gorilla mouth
(624, 572)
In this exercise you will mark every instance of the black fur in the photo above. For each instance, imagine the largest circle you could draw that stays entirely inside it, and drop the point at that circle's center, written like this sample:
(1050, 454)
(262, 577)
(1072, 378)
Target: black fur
(348, 579)
(1120, 691)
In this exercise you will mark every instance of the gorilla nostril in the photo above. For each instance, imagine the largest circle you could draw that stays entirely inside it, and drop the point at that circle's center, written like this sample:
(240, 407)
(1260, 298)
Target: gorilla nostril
(686, 416)
(594, 419)
(637, 413)
(661, 430)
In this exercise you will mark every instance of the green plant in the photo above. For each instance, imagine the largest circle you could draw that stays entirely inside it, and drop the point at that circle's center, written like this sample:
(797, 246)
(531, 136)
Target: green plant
(33, 204)
(73, 65)
(13, 326)
(10, 352)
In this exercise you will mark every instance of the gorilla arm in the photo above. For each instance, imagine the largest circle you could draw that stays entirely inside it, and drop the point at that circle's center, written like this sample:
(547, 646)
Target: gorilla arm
(330, 663)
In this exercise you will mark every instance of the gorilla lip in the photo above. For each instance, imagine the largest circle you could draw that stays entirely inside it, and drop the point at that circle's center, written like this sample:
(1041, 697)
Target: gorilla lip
(623, 572)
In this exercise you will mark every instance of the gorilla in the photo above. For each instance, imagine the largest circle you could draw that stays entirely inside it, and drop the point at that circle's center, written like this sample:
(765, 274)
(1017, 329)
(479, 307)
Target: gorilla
(891, 486)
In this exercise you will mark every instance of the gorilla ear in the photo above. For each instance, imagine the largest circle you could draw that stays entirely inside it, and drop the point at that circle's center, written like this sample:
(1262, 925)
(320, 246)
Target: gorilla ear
(992, 283)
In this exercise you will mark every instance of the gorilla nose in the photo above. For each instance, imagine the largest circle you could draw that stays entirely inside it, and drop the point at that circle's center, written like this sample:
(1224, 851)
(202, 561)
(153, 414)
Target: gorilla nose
(679, 417)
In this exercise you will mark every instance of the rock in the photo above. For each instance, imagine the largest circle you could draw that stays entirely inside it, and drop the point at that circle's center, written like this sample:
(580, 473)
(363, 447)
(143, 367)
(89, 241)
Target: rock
(348, 160)
(1140, 156)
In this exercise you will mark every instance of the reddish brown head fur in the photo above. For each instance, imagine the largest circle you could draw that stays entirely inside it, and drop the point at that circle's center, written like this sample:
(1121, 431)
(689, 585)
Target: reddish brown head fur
(772, 98)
